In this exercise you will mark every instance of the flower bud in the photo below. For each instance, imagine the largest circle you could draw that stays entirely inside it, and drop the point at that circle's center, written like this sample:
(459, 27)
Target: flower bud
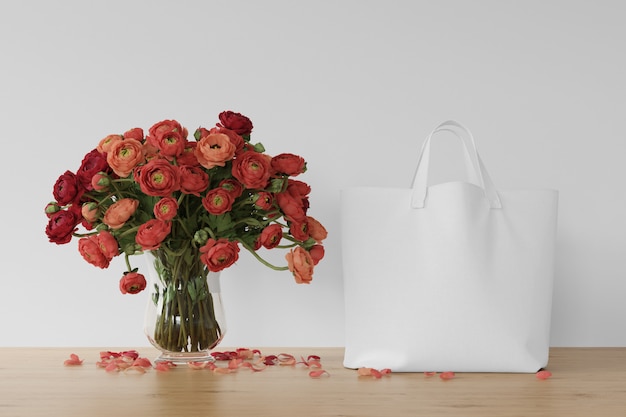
(52, 208)
(201, 237)
(100, 181)
(90, 211)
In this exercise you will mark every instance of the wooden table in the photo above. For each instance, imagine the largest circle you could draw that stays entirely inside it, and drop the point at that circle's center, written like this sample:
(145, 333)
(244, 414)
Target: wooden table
(34, 382)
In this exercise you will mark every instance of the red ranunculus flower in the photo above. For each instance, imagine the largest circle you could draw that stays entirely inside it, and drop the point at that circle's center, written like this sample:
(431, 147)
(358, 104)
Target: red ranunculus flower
(188, 157)
(92, 163)
(218, 201)
(90, 251)
(264, 201)
(158, 178)
(193, 179)
(165, 209)
(163, 128)
(132, 283)
(219, 254)
(252, 169)
(271, 236)
(236, 122)
(134, 133)
(300, 229)
(288, 164)
(108, 244)
(152, 233)
(61, 225)
(317, 253)
(234, 187)
(293, 208)
(66, 189)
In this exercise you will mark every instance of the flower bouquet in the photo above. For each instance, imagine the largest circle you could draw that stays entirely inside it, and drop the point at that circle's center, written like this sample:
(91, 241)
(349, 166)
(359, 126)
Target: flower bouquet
(190, 205)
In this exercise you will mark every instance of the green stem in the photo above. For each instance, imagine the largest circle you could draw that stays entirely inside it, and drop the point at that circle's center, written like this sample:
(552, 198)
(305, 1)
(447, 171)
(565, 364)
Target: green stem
(263, 261)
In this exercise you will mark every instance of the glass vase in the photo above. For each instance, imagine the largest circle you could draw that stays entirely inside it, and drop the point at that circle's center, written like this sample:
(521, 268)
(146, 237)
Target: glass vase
(184, 316)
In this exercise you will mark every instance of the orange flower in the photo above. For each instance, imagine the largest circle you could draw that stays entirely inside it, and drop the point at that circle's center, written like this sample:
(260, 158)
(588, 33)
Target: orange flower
(105, 144)
(316, 230)
(120, 212)
(300, 264)
(214, 150)
(124, 156)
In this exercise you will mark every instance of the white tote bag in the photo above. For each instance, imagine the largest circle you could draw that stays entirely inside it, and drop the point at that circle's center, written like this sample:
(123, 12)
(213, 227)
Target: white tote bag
(448, 277)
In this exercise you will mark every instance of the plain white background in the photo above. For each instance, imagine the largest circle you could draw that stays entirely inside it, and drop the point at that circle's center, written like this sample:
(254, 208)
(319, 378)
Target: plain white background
(354, 87)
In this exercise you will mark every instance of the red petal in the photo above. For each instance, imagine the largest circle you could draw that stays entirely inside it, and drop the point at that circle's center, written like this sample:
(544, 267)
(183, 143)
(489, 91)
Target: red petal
(430, 373)
(73, 360)
(543, 374)
(318, 373)
(446, 375)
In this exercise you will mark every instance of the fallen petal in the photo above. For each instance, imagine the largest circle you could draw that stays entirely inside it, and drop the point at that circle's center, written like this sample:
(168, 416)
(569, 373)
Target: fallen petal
(318, 373)
(543, 374)
(446, 375)
(364, 371)
(143, 362)
(430, 373)
(73, 360)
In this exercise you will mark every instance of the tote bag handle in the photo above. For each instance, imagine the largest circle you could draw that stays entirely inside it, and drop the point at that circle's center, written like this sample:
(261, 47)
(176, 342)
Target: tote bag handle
(420, 180)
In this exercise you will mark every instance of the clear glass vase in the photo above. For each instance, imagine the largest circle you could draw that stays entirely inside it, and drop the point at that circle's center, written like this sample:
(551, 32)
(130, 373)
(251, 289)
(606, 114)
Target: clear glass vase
(184, 316)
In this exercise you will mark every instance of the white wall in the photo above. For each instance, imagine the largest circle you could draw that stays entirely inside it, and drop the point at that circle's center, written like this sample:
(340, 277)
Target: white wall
(353, 86)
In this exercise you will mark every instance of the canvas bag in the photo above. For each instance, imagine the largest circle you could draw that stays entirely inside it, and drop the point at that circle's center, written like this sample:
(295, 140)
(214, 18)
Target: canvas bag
(448, 277)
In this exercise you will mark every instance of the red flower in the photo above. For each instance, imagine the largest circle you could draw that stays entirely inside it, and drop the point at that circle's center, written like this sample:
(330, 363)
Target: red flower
(162, 129)
(317, 253)
(299, 229)
(125, 155)
(99, 249)
(288, 164)
(218, 201)
(132, 283)
(165, 209)
(235, 121)
(134, 133)
(293, 208)
(188, 157)
(158, 178)
(92, 163)
(270, 236)
(170, 143)
(90, 251)
(233, 187)
(61, 225)
(152, 233)
(219, 254)
(264, 201)
(193, 179)
(252, 169)
(66, 188)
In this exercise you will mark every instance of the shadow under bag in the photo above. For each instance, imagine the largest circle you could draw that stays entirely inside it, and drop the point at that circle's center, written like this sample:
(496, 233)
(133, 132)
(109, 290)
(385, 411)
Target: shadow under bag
(449, 277)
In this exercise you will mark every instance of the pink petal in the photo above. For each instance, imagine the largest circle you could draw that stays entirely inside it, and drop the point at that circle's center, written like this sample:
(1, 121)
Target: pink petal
(430, 373)
(73, 360)
(364, 371)
(144, 362)
(446, 375)
(318, 373)
(543, 374)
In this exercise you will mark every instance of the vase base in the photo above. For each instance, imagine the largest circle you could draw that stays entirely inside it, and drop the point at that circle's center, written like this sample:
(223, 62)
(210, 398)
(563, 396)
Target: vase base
(185, 357)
